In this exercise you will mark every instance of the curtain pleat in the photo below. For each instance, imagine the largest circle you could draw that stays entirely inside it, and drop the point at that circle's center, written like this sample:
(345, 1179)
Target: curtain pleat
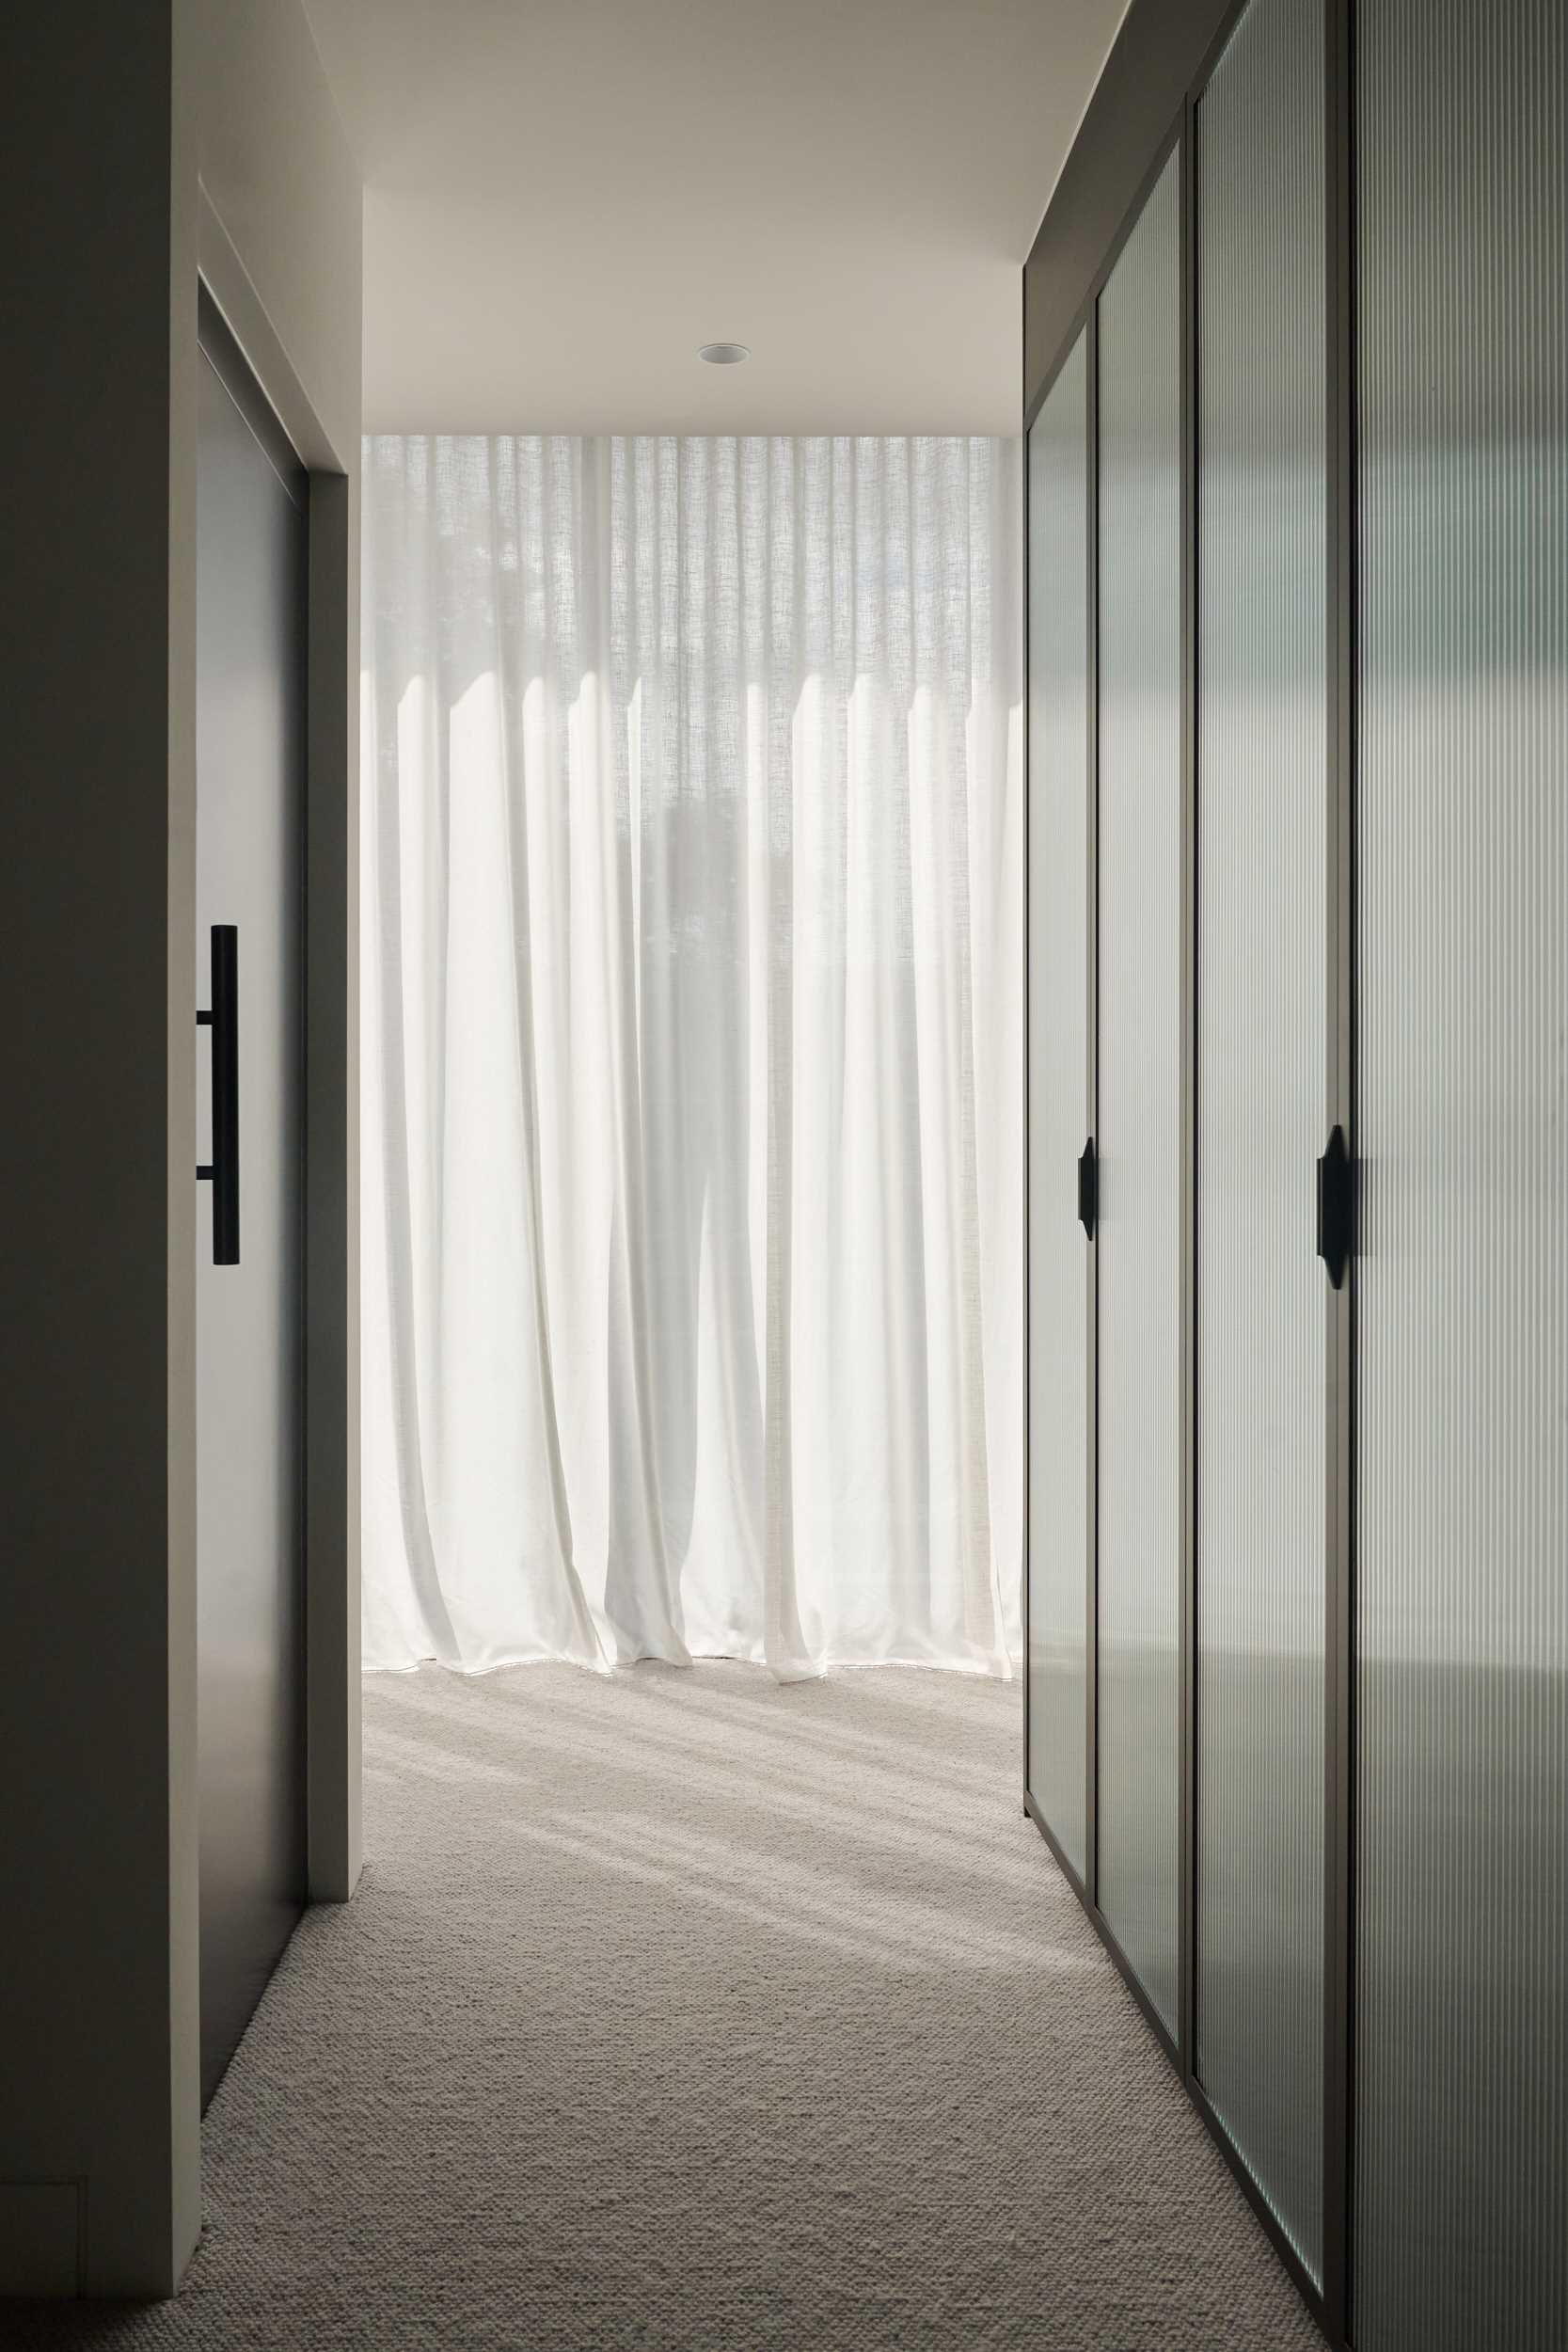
(692, 1048)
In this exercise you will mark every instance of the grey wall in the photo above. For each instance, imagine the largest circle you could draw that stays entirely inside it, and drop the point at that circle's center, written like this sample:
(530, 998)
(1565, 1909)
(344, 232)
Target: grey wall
(113, 117)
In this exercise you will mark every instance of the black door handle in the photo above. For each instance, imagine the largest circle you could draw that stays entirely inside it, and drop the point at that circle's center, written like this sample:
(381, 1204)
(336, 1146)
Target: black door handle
(1336, 1207)
(1088, 1189)
(223, 1019)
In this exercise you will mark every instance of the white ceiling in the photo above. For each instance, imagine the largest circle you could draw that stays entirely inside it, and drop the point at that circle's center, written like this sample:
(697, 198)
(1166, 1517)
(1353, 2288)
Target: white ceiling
(565, 198)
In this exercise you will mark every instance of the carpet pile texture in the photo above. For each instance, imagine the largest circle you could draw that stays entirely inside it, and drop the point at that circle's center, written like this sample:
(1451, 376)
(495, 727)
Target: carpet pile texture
(679, 2012)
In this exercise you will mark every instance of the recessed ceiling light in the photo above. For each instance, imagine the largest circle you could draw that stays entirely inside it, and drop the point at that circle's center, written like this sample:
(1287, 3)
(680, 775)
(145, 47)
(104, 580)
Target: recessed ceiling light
(724, 354)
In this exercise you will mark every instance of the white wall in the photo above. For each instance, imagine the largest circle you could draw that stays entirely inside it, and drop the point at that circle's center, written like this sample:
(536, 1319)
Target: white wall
(115, 117)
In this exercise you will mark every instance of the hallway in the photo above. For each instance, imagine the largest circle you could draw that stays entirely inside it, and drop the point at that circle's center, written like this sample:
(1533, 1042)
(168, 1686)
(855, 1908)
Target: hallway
(688, 2010)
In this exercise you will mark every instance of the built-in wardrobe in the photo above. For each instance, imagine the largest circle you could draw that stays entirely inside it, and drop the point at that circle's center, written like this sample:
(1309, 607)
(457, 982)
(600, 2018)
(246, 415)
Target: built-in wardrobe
(1297, 1557)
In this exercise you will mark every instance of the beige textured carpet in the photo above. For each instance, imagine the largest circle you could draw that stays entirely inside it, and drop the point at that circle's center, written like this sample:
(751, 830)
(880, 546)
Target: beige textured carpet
(684, 2012)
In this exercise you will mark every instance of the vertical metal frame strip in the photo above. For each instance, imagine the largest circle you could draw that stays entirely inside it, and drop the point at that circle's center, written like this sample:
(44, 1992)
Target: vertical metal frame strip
(1091, 1076)
(1187, 1955)
(1028, 1096)
(1339, 1686)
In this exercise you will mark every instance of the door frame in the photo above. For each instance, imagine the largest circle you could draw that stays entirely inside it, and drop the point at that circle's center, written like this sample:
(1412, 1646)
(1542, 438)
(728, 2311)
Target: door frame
(331, 1157)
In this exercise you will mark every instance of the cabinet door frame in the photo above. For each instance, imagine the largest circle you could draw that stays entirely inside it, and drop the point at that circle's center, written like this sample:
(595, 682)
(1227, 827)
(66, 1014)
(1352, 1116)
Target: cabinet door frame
(1145, 108)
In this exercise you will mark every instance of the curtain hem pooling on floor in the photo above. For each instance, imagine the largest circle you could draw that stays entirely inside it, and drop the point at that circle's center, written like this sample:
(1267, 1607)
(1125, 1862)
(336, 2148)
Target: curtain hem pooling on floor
(693, 1004)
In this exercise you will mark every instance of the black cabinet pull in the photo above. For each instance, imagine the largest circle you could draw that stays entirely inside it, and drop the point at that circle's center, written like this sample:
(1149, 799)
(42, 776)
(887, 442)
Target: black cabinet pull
(1088, 1189)
(223, 1019)
(1336, 1207)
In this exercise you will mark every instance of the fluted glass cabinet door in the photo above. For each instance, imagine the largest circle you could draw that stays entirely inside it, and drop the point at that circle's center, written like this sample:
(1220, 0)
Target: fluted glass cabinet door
(1262, 1045)
(1139, 1091)
(1462, 1284)
(1058, 1105)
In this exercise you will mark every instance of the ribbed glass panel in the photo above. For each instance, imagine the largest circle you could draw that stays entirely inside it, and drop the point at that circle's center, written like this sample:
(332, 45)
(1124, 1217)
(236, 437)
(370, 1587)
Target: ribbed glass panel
(1263, 1041)
(1058, 1031)
(1140, 1085)
(1461, 1524)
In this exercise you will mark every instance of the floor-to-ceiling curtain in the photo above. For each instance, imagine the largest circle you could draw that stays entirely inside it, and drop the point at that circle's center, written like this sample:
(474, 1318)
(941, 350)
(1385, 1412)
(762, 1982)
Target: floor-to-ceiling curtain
(692, 1006)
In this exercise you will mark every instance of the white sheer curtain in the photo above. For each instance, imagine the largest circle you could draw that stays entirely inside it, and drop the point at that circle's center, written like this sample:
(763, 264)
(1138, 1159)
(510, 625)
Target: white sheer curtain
(692, 997)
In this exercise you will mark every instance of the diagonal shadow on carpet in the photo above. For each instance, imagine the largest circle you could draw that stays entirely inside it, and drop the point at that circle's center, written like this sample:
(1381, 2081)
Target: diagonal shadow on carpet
(683, 2012)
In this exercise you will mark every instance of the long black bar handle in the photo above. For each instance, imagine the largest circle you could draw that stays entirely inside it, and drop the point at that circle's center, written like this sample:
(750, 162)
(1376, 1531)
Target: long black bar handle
(1336, 1207)
(1088, 1189)
(223, 1019)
